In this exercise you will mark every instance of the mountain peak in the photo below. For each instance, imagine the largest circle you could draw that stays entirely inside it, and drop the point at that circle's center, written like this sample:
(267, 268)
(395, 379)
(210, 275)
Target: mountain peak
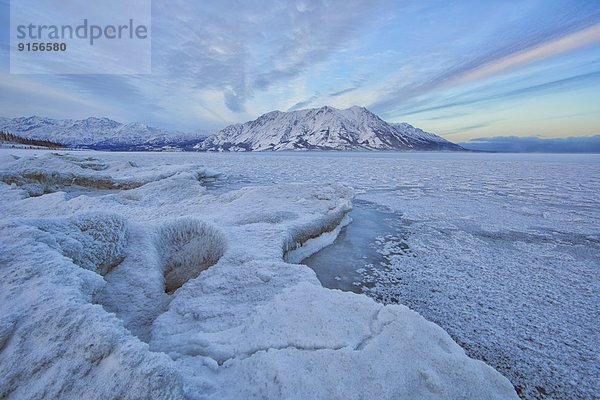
(328, 109)
(324, 128)
(100, 119)
(359, 109)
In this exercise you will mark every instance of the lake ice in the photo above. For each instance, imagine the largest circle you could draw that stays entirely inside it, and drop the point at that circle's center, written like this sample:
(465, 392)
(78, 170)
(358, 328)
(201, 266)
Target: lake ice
(501, 251)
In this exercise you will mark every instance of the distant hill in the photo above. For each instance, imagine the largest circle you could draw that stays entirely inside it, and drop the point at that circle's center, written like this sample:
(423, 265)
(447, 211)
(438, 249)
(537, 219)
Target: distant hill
(99, 133)
(326, 128)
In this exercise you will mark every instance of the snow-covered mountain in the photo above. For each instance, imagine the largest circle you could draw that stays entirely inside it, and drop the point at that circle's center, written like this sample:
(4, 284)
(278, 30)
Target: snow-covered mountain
(100, 133)
(326, 128)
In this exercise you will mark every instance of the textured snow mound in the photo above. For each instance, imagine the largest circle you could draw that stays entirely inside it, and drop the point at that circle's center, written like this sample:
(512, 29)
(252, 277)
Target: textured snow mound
(54, 172)
(93, 241)
(58, 172)
(56, 343)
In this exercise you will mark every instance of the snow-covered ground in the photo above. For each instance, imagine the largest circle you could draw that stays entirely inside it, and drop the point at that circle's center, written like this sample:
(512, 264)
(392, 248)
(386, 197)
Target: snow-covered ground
(163, 275)
(139, 276)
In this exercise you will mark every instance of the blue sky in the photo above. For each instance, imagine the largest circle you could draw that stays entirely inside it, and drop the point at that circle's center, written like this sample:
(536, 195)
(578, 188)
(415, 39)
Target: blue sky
(462, 69)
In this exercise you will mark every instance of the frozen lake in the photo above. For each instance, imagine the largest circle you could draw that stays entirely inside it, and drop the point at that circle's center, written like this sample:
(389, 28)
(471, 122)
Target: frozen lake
(500, 250)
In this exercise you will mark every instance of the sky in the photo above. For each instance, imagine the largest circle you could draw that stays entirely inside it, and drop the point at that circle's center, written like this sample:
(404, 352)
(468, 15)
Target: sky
(462, 69)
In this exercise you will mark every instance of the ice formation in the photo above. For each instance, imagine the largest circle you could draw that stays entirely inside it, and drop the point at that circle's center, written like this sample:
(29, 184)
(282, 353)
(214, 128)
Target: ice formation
(165, 289)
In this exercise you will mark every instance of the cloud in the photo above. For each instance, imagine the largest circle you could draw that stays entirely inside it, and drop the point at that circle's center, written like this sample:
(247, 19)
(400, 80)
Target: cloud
(482, 95)
(469, 127)
(205, 48)
(506, 53)
(44, 99)
(532, 144)
(571, 42)
(446, 116)
(304, 103)
(233, 101)
(251, 45)
(342, 92)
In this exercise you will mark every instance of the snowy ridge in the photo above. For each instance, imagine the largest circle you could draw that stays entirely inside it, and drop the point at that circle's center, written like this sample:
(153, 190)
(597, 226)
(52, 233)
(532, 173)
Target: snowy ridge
(420, 135)
(95, 132)
(326, 128)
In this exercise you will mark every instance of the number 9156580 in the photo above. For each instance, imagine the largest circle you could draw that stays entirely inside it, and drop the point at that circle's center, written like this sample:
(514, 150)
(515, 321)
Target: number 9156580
(42, 47)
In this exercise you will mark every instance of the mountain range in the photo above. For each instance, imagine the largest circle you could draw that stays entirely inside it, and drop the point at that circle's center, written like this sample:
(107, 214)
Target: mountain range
(325, 128)
(98, 133)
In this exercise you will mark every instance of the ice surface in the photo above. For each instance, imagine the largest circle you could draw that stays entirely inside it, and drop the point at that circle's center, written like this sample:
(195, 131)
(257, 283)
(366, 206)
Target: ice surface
(86, 311)
(353, 255)
(500, 250)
